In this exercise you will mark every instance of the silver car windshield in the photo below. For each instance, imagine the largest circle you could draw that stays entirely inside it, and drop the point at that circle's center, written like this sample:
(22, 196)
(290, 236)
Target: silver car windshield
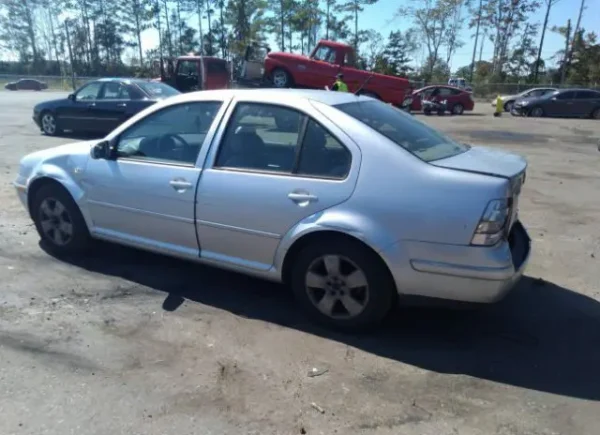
(414, 136)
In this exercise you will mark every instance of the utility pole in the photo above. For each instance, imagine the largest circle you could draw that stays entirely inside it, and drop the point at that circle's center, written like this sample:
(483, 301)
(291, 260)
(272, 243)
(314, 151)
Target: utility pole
(549, 4)
(70, 54)
(563, 72)
(476, 40)
(575, 35)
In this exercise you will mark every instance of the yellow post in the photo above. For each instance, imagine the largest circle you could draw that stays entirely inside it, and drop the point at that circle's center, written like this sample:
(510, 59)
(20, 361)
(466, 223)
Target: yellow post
(499, 108)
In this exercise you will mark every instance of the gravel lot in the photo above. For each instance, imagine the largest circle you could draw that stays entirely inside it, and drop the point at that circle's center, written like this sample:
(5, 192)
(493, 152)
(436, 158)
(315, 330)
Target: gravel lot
(133, 343)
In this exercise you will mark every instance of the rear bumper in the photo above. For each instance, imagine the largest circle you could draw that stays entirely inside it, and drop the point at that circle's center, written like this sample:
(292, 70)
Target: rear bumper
(460, 273)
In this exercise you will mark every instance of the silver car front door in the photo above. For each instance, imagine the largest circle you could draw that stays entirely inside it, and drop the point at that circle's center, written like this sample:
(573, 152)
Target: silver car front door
(274, 166)
(145, 195)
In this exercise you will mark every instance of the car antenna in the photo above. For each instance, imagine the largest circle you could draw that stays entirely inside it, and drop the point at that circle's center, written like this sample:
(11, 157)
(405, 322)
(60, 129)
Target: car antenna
(365, 83)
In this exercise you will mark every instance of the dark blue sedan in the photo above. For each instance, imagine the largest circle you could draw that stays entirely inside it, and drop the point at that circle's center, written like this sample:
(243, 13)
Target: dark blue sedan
(99, 106)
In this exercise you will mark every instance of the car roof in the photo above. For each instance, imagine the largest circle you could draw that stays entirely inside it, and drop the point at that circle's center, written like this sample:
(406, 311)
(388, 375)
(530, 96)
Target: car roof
(126, 80)
(330, 98)
(577, 89)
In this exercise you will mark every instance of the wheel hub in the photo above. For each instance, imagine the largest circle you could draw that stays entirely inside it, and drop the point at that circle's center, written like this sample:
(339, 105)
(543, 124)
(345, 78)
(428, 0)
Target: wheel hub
(337, 287)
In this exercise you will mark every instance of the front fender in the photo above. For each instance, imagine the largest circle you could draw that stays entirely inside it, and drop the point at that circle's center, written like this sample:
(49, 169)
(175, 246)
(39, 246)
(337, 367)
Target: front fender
(67, 177)
(352, 224)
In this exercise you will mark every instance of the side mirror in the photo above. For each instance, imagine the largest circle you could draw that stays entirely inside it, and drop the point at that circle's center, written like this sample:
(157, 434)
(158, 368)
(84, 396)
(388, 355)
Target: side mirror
(71, 97)
(101, 150)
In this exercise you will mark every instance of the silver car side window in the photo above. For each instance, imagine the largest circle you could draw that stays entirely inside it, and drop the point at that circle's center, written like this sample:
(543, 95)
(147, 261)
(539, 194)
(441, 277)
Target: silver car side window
(172, 135)
(261, 137)
(322, 155)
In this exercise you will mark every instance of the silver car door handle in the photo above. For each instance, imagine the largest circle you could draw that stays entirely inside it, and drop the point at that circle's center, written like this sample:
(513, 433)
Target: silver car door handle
(180, 184)
(121, 105)
(302, 197)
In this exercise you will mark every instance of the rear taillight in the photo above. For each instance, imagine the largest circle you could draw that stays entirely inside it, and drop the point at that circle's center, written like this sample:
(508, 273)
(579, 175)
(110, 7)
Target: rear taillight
(493, 222)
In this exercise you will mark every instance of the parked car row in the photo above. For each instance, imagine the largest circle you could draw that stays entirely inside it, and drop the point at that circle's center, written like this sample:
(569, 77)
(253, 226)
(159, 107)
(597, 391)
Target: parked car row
(211, 177)
(568, 103)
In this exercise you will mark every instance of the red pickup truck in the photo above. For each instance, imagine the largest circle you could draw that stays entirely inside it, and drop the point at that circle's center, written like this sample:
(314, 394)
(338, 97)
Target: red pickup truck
(319, 70)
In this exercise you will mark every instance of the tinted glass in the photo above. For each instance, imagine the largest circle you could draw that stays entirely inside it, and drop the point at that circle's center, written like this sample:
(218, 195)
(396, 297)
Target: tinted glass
(261, 137)
(174, 134)
(188, 67)
(89, 92)
(446, 92)
(587, 95)
(566, 95)
(322, 155)
(157, 90)
(404, 130)
(115, 91)
(216, 67)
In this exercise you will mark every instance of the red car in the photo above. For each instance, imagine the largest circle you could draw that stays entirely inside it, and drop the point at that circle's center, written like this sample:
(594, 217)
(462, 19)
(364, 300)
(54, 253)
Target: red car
(458, 99)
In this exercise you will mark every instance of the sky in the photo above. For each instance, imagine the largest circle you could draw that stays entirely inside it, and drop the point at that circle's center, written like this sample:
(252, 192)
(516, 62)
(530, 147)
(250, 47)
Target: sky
(380, 17)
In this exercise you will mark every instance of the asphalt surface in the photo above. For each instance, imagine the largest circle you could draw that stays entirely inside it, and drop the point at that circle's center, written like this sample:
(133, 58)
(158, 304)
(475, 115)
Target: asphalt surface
(126, 342)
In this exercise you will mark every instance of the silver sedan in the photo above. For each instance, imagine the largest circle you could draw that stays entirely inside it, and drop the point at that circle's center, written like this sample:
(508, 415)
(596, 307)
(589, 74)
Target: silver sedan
(350, 201)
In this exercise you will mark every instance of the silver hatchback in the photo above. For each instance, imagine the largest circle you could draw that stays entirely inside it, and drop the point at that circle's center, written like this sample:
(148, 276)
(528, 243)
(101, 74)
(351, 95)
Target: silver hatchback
(350, 201)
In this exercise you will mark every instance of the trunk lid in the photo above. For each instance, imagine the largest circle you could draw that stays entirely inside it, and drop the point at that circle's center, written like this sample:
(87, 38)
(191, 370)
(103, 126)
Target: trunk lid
(487, 161)
(496, 163)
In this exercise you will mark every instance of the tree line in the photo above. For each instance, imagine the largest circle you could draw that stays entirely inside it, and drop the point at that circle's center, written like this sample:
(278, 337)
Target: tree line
(104, 37)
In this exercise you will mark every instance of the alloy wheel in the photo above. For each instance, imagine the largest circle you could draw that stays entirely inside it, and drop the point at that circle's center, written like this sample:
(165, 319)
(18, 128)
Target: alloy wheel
(55, 221)
(337, 287)
(49, 124)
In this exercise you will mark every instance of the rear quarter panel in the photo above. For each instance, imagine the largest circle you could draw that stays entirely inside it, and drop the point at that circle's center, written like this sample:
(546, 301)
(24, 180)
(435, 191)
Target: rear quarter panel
(399, 197)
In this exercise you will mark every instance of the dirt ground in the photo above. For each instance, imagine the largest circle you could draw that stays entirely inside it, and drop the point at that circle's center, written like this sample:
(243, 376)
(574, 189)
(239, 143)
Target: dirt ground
(127, 342)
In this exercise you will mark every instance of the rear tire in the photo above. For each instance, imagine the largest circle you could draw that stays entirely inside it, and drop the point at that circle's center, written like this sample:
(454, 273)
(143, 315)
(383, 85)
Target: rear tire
(596, 113)
(59, 221)
(343, 285)
(458, 109)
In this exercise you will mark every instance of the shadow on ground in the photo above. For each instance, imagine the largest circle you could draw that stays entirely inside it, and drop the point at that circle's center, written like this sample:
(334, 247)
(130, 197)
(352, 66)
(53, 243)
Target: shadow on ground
(542, 336)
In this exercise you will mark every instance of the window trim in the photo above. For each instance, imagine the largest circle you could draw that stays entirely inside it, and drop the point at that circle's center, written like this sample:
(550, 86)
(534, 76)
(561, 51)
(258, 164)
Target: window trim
(86, 86)
(102, 92)
(305, 118)
(138, 159)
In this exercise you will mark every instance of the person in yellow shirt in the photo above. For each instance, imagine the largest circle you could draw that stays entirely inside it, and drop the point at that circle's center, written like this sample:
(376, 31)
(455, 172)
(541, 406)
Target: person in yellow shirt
(339, 84)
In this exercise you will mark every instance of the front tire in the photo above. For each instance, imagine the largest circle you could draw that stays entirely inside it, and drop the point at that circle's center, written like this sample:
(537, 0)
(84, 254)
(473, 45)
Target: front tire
(343, 285)
(59, 221)
(281, 78)
(49, 124)
(536, 112)
(596, 114)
